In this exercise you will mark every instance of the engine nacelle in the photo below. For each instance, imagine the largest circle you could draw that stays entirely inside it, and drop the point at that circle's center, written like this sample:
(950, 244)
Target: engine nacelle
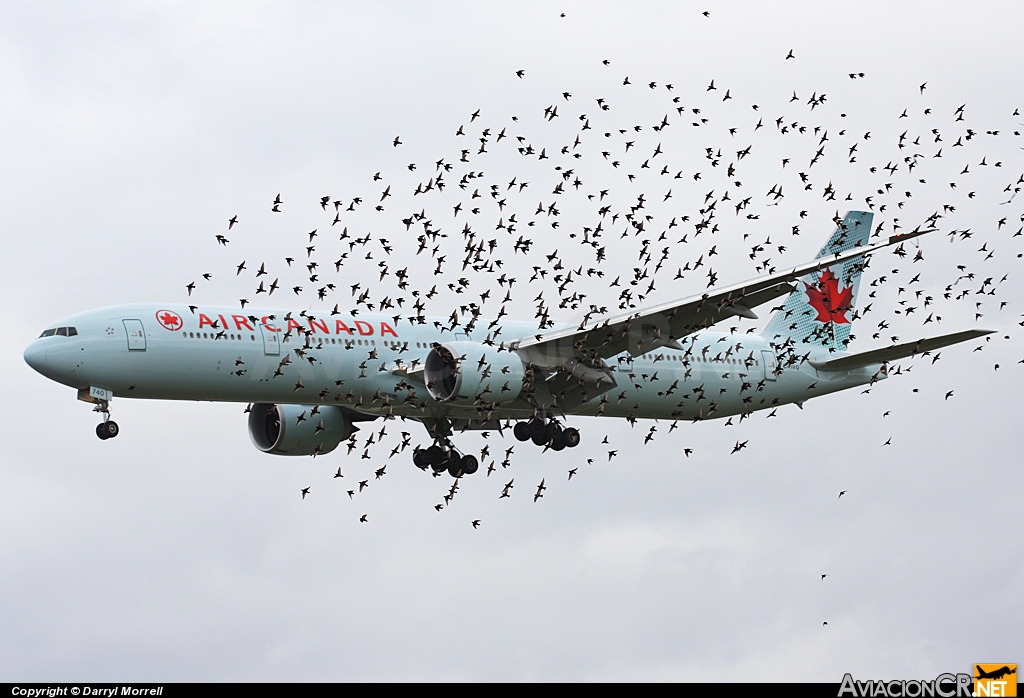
(464, 371)
(292, 430)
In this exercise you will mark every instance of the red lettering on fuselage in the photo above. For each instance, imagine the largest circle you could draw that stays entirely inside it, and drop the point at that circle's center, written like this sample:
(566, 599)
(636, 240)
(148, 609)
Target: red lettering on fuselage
(364, 328)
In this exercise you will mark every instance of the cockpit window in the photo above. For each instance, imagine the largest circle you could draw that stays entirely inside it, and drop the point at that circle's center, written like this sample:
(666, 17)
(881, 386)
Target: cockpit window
(60, 332)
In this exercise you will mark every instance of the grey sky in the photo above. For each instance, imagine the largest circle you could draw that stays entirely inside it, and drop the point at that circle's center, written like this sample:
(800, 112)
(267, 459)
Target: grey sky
(132, 132)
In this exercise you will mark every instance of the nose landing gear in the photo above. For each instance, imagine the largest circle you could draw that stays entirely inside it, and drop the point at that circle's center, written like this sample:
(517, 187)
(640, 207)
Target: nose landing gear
(107, 429)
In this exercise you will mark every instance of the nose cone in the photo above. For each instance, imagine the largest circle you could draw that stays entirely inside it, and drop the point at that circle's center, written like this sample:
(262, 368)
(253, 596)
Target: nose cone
(35, 356)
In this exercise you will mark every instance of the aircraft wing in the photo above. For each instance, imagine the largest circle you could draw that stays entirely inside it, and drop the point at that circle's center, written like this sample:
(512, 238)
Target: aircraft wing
(663, 325)
(900, 351)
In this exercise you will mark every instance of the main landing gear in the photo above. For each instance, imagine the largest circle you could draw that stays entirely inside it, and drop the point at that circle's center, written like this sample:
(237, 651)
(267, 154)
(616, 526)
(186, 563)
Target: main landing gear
(547, 433)
(107, 429)
(441, 457)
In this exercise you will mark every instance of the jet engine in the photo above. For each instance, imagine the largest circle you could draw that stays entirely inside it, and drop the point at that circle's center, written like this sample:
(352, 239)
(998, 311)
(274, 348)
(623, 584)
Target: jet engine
(294, 430)
(465, 371)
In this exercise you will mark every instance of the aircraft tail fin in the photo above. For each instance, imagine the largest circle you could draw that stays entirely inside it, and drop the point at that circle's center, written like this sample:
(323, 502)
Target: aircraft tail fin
(821, 309)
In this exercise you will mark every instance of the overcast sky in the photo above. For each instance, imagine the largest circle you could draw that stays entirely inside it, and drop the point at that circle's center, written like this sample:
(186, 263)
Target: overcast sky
(131, 132)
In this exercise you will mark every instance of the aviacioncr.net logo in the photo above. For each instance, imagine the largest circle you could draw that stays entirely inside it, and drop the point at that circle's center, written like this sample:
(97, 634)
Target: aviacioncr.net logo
(942, 686)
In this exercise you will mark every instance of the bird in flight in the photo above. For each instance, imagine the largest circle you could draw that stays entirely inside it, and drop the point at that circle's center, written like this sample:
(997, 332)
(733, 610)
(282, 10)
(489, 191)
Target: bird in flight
(391, 354)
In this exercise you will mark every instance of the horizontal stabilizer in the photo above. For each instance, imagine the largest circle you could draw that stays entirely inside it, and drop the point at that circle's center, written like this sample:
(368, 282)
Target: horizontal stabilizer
(900, 351)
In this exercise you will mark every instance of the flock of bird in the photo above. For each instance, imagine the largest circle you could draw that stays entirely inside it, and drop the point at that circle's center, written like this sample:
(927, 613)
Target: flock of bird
(592, 204)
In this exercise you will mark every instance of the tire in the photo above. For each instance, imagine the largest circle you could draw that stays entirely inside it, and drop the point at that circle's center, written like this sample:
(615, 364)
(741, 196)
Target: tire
(469, 465)
(110, 429)
(536, 428)
(521, 431)
(571, 437)
(419, 459)
(539, 439)
(557, 444)
(101, 431)
(552, 431)
(435, 458)
(455, 466)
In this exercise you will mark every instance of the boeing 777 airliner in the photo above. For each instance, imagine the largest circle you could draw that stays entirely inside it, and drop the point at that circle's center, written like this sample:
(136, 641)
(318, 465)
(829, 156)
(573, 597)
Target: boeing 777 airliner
(311, 379)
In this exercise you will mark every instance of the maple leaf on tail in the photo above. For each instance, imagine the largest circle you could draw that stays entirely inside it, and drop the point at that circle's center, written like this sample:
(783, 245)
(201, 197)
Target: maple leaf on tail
(828, 300)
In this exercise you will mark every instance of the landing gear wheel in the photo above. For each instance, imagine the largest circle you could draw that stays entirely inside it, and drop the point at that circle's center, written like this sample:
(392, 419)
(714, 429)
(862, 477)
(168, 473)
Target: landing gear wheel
(107, 430)
(455, 466)
(101, 431)
(571, 437)
(419, 459)
(540, 439)
(521, 431)
(469, 465)
(436, 458)
(535, 428)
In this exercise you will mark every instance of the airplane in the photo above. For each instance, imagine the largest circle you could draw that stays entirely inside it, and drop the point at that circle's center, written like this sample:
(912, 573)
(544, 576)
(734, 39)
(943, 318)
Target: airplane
(994, 674)
(309, 379)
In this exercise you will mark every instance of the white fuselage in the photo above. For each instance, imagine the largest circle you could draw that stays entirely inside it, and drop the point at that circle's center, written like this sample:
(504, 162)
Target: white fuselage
(168, 352)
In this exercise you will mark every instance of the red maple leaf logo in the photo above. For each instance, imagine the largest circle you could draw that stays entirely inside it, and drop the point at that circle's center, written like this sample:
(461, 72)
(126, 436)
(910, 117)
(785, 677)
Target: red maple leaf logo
(828, 300)
(168, 319)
